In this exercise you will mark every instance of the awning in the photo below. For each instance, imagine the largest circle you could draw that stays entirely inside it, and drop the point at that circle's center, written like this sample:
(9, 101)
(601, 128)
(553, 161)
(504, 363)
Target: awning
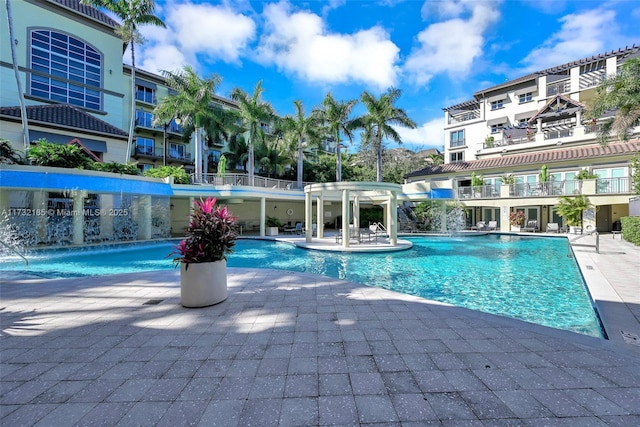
(525, 115)
(497, 98)
(499, 120)
(146, 84)
(94, 145)
(526, 90)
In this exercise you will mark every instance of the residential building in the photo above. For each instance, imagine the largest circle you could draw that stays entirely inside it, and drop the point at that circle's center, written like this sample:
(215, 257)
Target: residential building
(77, 88)
(519, 127)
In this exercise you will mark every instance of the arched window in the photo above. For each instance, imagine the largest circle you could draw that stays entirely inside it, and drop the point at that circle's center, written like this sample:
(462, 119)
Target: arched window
(65, 69)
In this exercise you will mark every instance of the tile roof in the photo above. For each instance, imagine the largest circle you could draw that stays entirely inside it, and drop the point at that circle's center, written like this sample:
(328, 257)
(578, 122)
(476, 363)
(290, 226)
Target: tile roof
(88, 11)
(537, 158)
(64, 115)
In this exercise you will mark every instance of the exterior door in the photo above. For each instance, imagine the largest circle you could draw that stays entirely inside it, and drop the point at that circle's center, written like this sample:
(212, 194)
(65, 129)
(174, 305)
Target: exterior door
(603, 218)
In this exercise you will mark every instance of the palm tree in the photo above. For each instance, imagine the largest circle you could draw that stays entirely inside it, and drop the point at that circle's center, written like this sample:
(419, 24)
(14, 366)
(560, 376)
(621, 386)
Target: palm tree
(237, 152)
(334, 116)
(14, 61)
(619, 92)
(378, 123)
(132, 13)
(435, 159)
(301, 129)
(255, 114)
(572, 208)
(192, 102)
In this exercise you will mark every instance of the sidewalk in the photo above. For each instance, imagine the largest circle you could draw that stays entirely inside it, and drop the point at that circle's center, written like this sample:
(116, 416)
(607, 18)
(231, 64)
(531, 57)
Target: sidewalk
(296, 349)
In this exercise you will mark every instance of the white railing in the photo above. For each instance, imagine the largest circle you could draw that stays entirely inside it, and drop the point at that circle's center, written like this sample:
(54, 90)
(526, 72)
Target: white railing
(243, 180)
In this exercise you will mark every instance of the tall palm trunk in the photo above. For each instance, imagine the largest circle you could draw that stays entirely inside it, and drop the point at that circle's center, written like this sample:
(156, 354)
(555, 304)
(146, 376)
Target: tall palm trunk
(133, 103)
(23, 108)
(300, 165)
(338, 163)
(379, 160)
(250, 162)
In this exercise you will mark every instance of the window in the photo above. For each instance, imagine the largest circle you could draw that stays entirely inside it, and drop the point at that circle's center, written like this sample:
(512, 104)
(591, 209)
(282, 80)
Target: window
(496, 105)
(497, 127)
(456, 157)
(66, 69)
(144, 145)
(525, 97)
(144, 118)
(457, 138)
(177, 151)
(144, 94)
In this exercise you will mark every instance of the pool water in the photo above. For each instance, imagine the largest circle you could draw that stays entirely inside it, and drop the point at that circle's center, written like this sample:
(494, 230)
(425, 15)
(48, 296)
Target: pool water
(529, 278)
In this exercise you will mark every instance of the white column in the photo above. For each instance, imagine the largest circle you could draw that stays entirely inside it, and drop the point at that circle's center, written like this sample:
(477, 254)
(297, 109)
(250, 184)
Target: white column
(345, 218)
(144, 217)
(263, 215)
(308, 216)
(356, 212)
(393, 219)
(320, 216)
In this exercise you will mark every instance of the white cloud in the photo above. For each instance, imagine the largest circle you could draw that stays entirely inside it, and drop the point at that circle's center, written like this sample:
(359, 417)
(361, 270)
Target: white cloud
(451, 46)
(193, 30)
(298, 42)
(581, 35)
(427, 135)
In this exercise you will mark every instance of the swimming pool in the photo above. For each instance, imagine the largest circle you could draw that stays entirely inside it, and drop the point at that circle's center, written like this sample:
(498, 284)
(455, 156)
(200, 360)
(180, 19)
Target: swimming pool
(528, 278)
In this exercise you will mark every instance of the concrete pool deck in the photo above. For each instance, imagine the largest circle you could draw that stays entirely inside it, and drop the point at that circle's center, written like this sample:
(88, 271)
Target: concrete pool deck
(297, 349)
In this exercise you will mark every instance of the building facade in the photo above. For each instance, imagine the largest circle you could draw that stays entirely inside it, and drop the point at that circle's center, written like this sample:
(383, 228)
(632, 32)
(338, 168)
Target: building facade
(76, 87)
(498, 144)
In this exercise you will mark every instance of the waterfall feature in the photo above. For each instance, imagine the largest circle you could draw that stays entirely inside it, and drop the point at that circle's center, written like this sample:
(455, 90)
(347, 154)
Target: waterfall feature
(407, 220)
(55, 207)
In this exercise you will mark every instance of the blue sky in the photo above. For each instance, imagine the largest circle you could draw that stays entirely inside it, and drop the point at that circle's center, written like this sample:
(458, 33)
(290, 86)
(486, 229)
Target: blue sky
(437, 52)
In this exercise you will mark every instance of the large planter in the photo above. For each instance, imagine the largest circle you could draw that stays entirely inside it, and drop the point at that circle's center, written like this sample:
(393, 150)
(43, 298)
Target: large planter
(203, 284)
(272, 231)
(515, 228)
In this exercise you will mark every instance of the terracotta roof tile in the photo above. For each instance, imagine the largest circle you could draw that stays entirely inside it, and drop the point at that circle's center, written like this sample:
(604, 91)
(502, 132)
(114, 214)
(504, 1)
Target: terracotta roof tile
(65, 115)
(537, 158)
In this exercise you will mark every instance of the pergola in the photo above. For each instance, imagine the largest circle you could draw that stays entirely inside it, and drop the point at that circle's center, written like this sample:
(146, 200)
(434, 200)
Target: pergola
(352, 193)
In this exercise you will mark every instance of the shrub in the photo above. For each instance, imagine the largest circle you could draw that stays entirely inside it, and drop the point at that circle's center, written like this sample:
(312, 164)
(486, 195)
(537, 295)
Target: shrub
(115, 167)
(177, 172)
(631, 229)
(45, 153)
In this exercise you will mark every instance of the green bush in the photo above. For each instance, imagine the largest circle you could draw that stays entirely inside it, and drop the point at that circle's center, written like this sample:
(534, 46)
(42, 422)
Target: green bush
(177, 172)
(631, 229)
(115, 167)
(45, 153)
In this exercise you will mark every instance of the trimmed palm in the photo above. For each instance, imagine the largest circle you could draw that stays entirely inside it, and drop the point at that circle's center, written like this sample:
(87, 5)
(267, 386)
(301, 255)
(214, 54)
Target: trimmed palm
(132, 13)
(254, 113)
(237, 152)
(620, 93)
(378, 124)
(192, 101)
(301, 129)
(334, 116)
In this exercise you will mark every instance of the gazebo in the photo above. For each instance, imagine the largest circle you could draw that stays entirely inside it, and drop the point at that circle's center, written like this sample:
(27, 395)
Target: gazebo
(352, 194)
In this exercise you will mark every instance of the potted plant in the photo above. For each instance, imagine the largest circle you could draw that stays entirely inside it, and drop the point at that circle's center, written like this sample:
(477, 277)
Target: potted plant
(211, 235)
(488, 142)
(516, 219)
(572, 209)
(273, 225)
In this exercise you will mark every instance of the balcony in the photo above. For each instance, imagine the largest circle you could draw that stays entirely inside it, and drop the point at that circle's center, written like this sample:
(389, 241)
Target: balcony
(558, 88)
(146, 151)
(460, 118)
(613, 185)
(178, 157)
(479, 192)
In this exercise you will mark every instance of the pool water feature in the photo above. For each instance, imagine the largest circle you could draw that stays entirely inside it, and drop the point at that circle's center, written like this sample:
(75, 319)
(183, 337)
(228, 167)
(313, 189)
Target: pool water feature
(528, 278)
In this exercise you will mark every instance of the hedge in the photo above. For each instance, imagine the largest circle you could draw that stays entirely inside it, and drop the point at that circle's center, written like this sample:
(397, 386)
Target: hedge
(631, 229)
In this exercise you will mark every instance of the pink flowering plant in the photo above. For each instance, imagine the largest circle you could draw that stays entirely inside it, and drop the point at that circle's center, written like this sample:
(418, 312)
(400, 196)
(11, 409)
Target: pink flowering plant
(211, 234)
(516, 218)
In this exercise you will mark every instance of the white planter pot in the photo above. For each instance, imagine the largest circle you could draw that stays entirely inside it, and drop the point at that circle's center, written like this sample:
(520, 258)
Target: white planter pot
(272, 231)
(203, 284)
(515, 228)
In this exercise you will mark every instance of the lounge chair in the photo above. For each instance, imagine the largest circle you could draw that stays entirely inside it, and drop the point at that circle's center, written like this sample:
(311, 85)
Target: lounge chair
(532, 226)
(480, 226)
(298, 229)
(289, 228)
(492, 226)
(553, 227)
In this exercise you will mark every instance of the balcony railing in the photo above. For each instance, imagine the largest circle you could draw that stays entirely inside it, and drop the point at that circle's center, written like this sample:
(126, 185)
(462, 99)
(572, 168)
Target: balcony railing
(555, 134)
(613, 185)
(541, 189)
(145, 151)
(243, 180)
(186, 157)
(558, 88)
(464, 117)
(479, 192)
